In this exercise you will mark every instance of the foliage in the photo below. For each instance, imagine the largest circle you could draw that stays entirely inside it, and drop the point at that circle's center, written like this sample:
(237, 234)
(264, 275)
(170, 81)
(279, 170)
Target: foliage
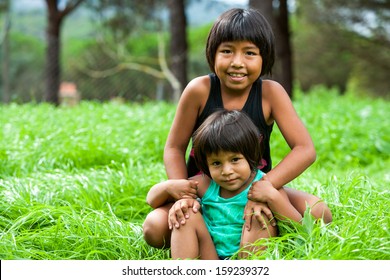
(327, 51)
(122, 18)
(26, 71)
(343, 44)
(73, 180)
(319, 60)
(197, 38)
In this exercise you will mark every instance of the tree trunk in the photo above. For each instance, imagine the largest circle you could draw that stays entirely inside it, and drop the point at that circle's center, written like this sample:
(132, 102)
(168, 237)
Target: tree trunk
(278, 18)
(53, 58)
(283, 49)
(178, 44)
(53, 52)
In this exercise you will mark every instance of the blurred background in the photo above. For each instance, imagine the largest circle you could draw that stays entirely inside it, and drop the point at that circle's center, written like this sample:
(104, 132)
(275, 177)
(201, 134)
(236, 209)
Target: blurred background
(126, 50)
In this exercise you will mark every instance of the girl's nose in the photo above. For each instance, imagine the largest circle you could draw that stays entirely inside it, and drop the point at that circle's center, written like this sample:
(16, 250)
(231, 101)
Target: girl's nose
(237, 61)
(226, 170)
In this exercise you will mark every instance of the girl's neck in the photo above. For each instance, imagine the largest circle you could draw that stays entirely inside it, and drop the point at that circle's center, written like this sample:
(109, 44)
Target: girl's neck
(234, 100)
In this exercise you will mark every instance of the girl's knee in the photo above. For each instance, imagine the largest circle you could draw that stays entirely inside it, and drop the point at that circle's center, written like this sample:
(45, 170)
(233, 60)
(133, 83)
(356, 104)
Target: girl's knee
(320, 210)
(258, 231)
(300, 200)
(155, 231)
(249, 238)
(193, 220)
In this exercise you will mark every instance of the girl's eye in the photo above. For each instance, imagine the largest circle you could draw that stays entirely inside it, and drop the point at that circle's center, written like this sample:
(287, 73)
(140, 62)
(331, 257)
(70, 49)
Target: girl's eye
(251, 53)
(225, 51)
(215, 163)
(235, 159)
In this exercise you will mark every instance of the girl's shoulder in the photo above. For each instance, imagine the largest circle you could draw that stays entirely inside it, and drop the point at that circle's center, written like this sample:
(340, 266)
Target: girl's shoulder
(273, 93)
(278, 103)
(271, 88)
(198, 86)
(195, 94)
(274, 99)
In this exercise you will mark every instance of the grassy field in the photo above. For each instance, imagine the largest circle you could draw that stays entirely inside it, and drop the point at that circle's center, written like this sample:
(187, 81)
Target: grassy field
(73, 181)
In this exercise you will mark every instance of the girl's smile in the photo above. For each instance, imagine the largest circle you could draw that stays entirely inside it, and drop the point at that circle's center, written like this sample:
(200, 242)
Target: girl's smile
(237, 77)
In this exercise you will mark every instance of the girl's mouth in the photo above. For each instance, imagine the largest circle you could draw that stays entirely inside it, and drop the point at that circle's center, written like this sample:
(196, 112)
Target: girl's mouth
(236, 77)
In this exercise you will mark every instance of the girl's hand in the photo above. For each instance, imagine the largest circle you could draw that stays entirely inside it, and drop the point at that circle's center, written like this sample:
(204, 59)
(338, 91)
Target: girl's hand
(179, 211)
(183, 188)
(260, 211)
(261, 191)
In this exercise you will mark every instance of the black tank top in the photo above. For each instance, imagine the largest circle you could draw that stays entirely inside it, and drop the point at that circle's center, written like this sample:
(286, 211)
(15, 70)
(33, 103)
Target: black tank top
(253, 107)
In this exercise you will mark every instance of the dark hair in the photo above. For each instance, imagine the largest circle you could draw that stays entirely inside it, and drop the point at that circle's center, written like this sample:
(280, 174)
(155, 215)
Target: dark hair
(242, 25)
(231, 131)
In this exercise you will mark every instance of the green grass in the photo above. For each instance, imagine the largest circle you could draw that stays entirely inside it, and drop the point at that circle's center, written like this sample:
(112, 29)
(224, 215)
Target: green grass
(73, 181)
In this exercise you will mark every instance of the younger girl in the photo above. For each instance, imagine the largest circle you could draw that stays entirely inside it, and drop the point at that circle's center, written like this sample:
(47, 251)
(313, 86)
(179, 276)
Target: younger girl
(227, 149)
(239, 50)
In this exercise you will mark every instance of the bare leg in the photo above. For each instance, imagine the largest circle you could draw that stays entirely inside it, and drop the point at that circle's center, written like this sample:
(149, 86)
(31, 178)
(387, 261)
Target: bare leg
(299, 199)
(256, 233)
(192, 240)
(155, 227)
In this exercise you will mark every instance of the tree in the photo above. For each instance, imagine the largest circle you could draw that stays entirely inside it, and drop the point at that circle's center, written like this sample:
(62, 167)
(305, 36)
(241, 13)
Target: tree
(368, 18)
(55, 18)
(276, 12)
(118, 22)
(125, 20)
(351, 35)
(178, 43)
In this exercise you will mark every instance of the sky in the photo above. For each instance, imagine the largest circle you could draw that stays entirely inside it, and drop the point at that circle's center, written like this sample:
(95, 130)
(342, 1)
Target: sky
(28, 3)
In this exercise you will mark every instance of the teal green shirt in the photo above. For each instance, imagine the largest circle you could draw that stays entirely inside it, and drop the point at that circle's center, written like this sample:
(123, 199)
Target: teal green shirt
(224, 217)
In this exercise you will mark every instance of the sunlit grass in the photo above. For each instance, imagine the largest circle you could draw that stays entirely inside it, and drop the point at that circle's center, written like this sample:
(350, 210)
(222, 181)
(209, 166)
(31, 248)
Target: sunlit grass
(73, 181)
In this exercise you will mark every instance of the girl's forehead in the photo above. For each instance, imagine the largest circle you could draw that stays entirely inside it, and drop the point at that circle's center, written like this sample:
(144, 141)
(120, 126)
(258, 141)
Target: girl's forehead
(222, 154)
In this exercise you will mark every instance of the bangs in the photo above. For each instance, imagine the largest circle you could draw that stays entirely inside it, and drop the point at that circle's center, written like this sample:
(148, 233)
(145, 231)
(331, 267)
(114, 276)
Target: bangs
(238, 28)
(224, 142)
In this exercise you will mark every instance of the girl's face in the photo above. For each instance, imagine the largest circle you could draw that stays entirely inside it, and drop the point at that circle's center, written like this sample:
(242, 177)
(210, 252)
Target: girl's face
(231, 171)
(238, 64)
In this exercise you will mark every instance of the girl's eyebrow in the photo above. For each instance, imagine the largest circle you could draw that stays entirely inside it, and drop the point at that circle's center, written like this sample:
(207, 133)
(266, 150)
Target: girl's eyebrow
(250, 46)
(253, 49)
(230, 44)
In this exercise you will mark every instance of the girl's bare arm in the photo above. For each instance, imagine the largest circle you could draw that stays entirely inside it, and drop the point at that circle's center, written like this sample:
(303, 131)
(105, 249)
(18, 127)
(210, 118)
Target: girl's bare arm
(188, 110)
(171, 190)
(276, 200)
(302, 155)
